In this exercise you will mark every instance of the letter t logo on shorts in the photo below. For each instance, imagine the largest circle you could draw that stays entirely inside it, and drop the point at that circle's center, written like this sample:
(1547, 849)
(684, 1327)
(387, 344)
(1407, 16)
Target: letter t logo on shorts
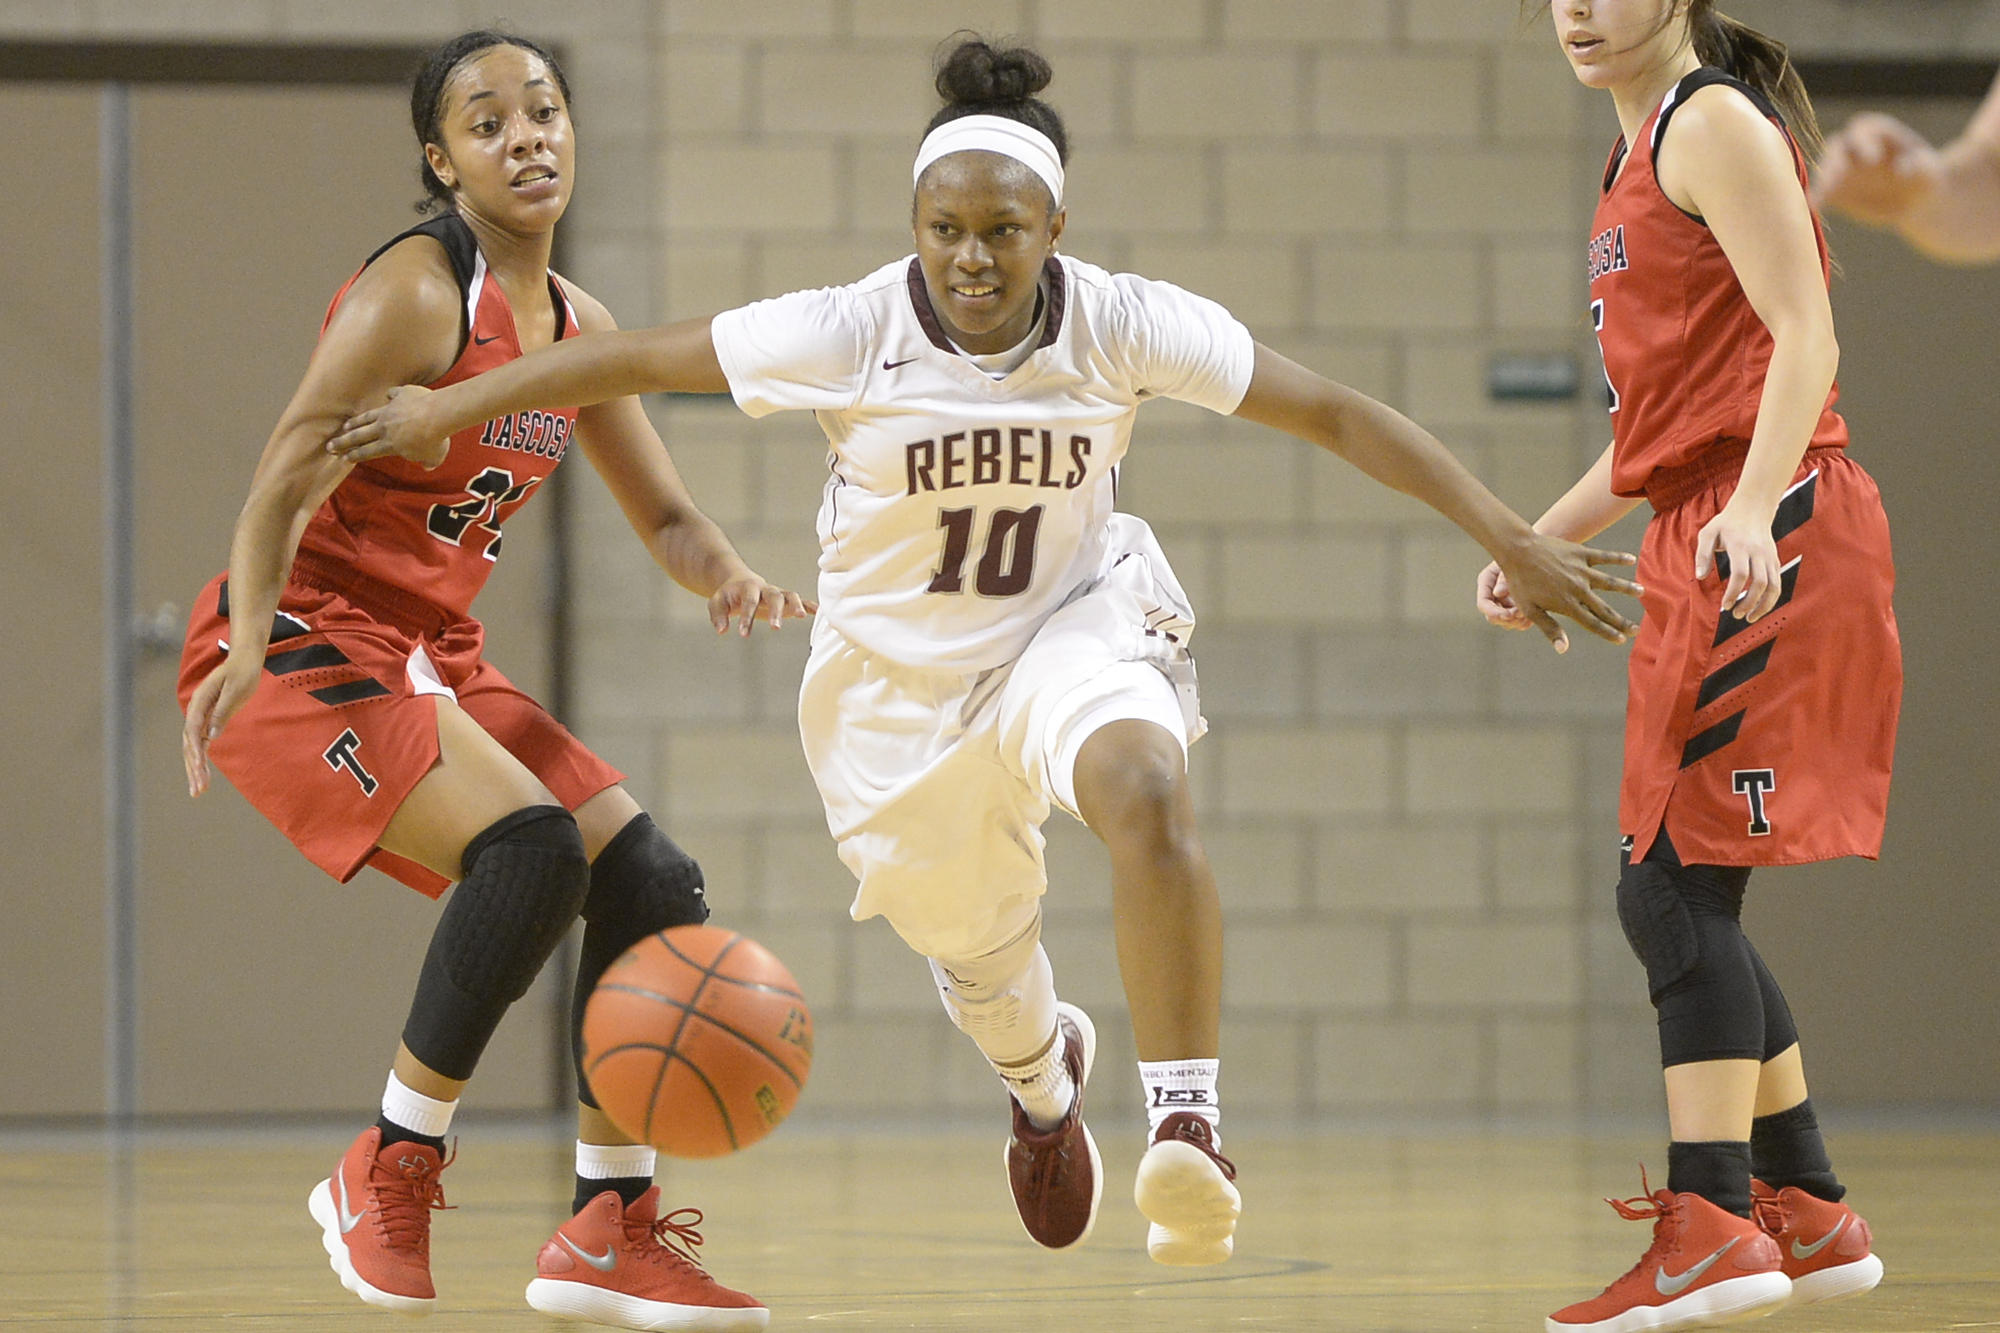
(341, 754)
(1753, 783)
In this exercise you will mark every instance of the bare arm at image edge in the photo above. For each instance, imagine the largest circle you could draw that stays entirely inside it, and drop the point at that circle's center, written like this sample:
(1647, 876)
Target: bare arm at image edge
(1944, 202)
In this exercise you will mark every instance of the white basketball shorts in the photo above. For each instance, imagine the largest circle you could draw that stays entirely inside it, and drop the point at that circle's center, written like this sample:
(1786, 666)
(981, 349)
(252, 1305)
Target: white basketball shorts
(936, 783)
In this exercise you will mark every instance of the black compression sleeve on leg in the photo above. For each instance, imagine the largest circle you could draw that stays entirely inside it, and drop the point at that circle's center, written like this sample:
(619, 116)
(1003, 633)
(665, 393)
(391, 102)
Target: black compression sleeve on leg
(1786, 1149)
(1780, 1033)
(1685, 924)
(642, 882)
(1716, 1012)
(1657, 925)
(525, 880)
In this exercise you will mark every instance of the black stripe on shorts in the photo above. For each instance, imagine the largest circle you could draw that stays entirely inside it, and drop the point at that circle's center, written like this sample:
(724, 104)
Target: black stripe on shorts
(333, 696)
(287, 627)
(305, 659)
(1728, 627)
(1795, 508)
(1726, 678)
(1710, 739)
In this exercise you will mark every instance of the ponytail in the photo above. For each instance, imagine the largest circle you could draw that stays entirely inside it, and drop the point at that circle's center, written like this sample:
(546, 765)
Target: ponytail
(1760, 61)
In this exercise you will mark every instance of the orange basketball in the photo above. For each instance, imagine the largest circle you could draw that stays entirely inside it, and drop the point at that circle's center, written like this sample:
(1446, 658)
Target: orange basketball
(697, 1041)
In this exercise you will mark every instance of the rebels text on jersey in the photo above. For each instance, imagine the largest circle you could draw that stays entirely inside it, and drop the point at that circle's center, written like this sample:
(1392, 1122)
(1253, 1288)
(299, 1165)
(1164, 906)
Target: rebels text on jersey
(1684, 351)
(961, 510)
(435, 535)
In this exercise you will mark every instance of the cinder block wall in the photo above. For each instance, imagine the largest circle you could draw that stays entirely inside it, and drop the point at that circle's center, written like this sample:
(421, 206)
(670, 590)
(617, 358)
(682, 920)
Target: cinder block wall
(1411, 815)
(1398, 799)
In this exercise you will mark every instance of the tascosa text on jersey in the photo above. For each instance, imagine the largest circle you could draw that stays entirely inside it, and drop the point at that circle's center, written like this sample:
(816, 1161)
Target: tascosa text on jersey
(537, 432)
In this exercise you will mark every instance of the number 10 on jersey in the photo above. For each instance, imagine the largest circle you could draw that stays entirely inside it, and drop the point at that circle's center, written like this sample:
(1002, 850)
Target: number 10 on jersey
(1007, 559)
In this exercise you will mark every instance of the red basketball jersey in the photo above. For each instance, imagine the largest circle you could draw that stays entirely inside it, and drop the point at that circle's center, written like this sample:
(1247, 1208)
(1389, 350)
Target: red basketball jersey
(435, 535)
(1684, 351)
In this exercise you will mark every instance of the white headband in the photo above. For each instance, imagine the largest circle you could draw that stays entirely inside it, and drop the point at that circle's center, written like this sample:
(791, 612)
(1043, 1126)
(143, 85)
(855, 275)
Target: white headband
(995, 134)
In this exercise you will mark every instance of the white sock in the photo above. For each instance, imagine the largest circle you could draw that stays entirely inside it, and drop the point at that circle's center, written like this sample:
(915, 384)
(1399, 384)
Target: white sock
(614, 1161)
(1181, 1085)
(1043, 1085)
(403, 1105)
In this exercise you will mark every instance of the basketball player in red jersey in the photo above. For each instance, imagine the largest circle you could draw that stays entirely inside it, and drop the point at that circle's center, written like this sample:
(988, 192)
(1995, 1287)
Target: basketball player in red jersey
(335, 674)
(1766, 676)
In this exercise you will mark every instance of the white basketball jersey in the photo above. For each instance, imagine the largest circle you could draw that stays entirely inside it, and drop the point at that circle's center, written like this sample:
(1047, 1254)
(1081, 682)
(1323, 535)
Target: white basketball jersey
(963, 510)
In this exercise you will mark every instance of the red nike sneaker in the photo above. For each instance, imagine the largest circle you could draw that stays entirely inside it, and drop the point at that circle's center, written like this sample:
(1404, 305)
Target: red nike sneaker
(626, 1266)
(374, 1213)
(1705, 1266)
(1825, 1246)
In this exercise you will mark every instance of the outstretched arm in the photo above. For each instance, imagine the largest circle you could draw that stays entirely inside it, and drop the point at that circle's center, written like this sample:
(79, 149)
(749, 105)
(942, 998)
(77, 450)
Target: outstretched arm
(576, 372)
(1586, 509)
(627, 452)
(1547, 574)
(1945, 203)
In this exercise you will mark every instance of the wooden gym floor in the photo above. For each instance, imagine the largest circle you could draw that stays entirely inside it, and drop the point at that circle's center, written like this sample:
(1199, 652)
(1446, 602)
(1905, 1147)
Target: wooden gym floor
(868, 1228)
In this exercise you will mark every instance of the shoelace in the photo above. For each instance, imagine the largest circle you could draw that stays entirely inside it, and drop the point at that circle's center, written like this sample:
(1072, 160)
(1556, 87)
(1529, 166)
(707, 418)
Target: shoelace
(407, 1191)
(1045, 1161)
(1197, 1131)
(1651, 1206)
(1048, 1149)
(1769, 1215)
(670, 1235)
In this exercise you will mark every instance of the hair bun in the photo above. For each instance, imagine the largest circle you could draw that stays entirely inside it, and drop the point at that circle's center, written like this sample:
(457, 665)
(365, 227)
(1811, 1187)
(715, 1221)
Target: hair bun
(976, 73)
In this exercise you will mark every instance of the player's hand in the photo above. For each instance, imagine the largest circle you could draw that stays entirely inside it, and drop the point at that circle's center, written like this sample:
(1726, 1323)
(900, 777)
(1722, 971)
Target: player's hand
(1755, 578)
(749, 598)
(1877, 170)
(399, 428)
(1549, 577)
(1493, 601)
(221, 692)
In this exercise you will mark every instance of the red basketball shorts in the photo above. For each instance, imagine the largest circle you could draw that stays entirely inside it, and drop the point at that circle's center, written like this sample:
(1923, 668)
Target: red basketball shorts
(1767, 743)
(344, 723)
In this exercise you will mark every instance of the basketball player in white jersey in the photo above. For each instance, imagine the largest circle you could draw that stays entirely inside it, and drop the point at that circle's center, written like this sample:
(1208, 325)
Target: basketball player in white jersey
(993, 639)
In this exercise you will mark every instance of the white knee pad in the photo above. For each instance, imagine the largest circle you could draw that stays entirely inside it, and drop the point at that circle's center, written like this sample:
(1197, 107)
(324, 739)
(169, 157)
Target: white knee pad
(1004, 1000)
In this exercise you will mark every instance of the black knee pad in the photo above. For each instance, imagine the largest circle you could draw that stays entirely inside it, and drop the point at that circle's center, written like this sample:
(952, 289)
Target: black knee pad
(526, 877)
(1685, 924)
(643, 877)
(641, 883)
(1716, 1011)
(1657, 924)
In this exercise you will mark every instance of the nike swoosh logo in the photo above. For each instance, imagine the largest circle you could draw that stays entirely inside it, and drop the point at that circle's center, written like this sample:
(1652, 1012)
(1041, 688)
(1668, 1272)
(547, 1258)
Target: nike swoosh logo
(603, 1264)
(348, 1221)
(483, 341)
(891, 365)
(1673, 1286)
(1808, 1251)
